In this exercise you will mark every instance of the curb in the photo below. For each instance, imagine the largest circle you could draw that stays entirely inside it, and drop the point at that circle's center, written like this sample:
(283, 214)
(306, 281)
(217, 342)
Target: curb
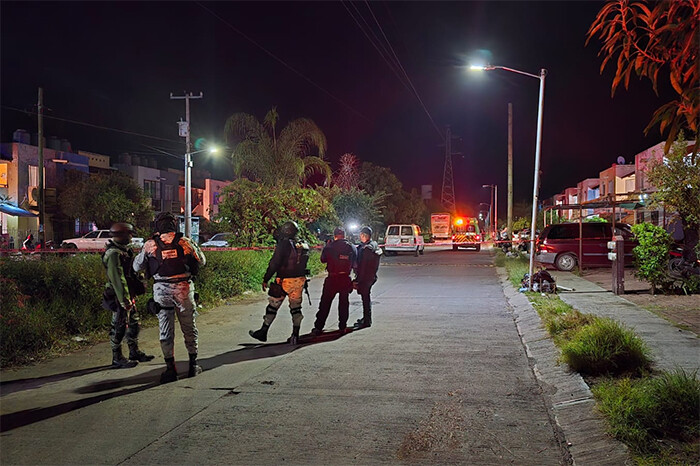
(566, 393)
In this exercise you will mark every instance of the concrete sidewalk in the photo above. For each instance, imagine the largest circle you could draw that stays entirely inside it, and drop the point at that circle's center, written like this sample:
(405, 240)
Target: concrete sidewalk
(671, 347)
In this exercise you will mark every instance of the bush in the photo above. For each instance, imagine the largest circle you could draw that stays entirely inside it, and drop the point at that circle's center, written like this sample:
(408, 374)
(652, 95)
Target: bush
(642, 412)
(606, 347)
(44, 301)
(652, 255)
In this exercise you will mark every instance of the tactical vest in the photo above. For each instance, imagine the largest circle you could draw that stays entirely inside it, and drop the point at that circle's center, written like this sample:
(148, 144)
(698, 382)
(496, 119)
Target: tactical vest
(169, 259)
(297, 261)
(126, 260)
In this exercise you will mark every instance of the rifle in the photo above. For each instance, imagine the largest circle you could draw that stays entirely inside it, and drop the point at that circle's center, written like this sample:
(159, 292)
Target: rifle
(306, 289)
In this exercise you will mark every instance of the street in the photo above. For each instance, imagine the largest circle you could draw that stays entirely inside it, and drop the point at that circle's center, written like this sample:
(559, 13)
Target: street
(440, 377)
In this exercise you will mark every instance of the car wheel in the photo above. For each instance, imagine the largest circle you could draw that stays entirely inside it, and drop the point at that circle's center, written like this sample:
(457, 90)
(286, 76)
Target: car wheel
(454, 247)
(565, 262)
(477, 248)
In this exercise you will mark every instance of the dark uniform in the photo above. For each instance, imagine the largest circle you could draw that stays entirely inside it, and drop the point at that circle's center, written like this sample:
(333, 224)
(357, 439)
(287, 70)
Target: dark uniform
(289, 263)
(339, 257)
(368, 255)
(122, 286)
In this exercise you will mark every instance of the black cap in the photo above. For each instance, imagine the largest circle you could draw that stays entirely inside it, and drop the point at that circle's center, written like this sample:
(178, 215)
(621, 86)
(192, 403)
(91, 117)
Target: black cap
(339, 232)
(366, 230)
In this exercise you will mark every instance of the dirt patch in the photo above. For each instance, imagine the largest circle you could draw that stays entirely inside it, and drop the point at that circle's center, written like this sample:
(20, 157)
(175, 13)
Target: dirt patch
(683, 311)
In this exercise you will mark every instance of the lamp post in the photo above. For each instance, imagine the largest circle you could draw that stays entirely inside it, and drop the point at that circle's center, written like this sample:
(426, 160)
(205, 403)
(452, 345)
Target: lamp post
(188, 188)
(493, 209)
(538, 146)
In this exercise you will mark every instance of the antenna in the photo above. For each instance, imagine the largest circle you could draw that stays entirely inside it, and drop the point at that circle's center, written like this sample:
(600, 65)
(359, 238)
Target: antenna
(620, 160)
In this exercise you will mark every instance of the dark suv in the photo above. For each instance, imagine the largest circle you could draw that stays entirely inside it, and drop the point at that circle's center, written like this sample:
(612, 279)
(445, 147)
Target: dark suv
(558, 245)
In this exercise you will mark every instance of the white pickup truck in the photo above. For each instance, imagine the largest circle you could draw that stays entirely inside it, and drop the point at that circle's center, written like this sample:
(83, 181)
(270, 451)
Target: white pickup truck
(95, 240)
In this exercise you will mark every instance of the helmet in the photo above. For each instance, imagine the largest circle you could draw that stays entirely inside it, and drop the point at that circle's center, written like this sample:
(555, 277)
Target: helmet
(289, 229)
(121, 229)
(165, 222)
(339, 232)
(367, 231)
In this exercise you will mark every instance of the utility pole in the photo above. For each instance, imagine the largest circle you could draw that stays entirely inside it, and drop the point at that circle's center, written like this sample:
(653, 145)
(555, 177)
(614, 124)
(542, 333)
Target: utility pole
(40, 113)
(185, 131)
(510, 171)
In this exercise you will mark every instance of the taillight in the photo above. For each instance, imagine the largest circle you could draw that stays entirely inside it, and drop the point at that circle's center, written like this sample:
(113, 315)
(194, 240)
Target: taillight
(453, 237)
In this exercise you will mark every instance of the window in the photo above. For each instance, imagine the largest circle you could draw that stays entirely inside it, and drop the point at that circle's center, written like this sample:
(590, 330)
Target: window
(406, 230)
(593, 230)
(105, 234)
(92, 234)
(168, 192)
(152, 188)
(33, 175)
(393, 230)
(563, 232)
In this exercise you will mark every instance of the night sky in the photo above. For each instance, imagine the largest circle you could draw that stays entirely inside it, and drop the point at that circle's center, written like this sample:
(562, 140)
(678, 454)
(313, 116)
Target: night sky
(114, 64)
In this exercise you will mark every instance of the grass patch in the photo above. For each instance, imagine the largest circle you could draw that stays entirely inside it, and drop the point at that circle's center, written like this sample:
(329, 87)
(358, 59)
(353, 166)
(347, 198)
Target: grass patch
(606, 347)
(45, 302)
(516, 267)
(656, 416)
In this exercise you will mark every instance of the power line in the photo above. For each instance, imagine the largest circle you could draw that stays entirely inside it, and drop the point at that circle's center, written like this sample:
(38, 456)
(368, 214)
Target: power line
(404, 71)
(29, 112)
(288, 66)
(374, 42)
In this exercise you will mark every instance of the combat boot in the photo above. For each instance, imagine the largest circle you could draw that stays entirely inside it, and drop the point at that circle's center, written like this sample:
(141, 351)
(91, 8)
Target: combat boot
(261, 333)
(170, 373)
(294, 339)
(119, 361)
(364, 322)
(194, 368)
(136, 355)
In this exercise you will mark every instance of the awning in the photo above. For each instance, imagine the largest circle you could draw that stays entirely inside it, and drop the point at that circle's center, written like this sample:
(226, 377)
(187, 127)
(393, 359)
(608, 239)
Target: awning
(15, 211)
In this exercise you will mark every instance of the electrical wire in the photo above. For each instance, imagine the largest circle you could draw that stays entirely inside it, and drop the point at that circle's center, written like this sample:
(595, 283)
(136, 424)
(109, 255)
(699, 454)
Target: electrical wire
(76, 122)
(404, 71)
(288, 66)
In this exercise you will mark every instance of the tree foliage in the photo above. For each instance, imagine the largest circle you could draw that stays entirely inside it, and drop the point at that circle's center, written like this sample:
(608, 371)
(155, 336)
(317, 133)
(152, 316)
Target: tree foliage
(289, 158)
(395, 204)
(253, 210)
(105, 199)
(677, 180)
(653, 38)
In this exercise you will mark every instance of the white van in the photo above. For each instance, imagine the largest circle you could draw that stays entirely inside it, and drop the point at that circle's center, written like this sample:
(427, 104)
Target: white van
(403, 238)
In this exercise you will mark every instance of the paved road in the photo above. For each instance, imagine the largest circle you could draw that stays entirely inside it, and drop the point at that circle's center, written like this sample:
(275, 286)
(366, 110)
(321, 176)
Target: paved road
(442, 377)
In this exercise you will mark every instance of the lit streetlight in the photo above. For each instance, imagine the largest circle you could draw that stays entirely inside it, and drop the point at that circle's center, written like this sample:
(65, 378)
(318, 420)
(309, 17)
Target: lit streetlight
(188, 187)
(536, 186)
(493, 209)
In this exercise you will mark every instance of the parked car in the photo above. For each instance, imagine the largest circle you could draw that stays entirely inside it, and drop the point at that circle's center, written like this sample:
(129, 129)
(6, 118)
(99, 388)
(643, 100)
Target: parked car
(219, 240)
(95, 240)
(558, 245)
(403, 238)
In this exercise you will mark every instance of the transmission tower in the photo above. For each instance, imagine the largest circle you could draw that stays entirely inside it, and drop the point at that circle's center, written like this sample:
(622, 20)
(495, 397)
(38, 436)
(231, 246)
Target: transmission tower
(448, 186)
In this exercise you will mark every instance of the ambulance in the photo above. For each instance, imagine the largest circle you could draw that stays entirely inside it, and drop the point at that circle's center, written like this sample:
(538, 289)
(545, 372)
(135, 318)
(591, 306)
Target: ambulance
(466, 233)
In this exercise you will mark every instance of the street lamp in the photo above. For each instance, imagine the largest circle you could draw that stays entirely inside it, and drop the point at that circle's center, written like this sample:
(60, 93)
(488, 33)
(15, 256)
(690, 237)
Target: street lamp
(538, 146)
(494, 205)
(188, 188)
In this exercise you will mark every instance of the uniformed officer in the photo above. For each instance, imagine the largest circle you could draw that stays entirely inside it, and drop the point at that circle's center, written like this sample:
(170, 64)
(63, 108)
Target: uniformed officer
(289, 262)
(339, 257)
(368, 255)
(172, 260)
(122, 287)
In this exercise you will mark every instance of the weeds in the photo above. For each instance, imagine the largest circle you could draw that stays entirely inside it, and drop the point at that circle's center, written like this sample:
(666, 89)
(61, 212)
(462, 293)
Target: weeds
(655, 416)
(606, 347)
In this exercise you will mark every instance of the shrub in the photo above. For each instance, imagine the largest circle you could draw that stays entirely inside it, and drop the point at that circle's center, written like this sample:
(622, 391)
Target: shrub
(652, 255)
(642, 412)
(606, 347)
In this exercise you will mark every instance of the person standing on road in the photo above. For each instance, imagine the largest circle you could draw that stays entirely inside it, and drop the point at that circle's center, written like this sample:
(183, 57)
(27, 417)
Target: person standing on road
(339, 257)
(123, 285)
(289, 262)
(172, 261)
(368, 255)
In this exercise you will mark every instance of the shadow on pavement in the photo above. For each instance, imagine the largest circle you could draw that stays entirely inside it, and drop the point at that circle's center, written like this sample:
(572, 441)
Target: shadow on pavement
(142, 381)
(12, 386)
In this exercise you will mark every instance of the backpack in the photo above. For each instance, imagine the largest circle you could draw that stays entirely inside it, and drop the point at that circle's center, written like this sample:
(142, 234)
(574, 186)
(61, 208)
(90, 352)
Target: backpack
(542, 281)
(133, 282)
(297, 262)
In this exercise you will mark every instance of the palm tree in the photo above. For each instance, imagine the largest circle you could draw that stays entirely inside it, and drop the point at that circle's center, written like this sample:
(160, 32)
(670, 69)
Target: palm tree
(291, 158)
